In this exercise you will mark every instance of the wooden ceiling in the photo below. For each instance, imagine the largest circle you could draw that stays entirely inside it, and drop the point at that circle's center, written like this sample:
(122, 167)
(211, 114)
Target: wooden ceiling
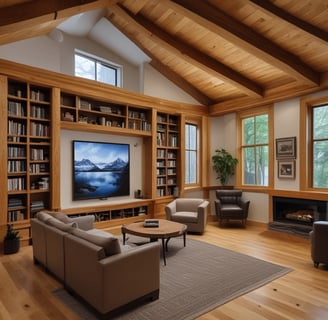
(229, 55)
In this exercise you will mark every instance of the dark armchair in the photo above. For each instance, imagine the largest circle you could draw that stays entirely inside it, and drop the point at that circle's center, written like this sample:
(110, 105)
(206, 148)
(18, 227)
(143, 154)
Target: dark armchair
(229, 205)
(319, 238)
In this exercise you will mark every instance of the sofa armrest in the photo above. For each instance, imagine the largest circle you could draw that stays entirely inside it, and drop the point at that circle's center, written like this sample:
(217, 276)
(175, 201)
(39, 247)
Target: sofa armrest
(84, 222)
(202, 208)
(134, 273)
(170, 209)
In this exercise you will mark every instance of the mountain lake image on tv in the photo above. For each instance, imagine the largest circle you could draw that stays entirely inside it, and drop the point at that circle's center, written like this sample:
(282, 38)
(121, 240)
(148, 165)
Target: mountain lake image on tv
(100, 170)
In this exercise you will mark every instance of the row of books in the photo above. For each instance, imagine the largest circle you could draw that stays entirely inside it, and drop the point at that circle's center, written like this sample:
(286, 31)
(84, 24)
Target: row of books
(16, 108)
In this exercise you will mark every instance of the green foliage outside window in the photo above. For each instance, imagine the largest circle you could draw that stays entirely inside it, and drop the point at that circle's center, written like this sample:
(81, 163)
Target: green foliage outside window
(256, 150)
(320, 147)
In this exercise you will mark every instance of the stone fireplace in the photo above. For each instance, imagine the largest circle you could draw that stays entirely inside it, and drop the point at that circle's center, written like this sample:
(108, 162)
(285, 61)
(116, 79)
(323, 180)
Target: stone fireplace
(294, 215)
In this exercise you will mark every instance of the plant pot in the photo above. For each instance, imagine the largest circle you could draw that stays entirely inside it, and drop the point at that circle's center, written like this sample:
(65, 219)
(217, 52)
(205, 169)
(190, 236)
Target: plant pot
(11, 246)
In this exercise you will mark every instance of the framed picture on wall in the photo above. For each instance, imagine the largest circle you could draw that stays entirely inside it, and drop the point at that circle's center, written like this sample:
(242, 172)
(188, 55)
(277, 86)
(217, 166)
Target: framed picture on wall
(286, 148)
(286, 169)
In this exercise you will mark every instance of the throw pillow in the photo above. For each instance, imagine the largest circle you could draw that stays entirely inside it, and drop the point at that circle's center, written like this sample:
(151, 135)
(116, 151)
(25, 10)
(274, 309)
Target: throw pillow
(61, 217)
(66, 227)
(110, 244)
(43, 216)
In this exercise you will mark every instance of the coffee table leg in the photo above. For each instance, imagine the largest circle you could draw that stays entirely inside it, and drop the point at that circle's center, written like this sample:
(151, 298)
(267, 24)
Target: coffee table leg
(184, 238)
(163, 250)
(123, 237)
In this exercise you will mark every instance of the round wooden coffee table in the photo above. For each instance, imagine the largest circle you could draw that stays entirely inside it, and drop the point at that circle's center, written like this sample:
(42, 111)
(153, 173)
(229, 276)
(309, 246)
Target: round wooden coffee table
(166, 230)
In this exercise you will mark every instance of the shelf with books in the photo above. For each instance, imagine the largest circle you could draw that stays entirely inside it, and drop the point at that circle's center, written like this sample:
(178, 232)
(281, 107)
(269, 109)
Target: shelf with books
(28, 149)
(103, 114)
(167, 142)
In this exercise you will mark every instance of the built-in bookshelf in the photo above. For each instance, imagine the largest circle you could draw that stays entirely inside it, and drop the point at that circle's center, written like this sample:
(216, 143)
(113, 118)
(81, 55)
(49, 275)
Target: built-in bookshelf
(84, 110)
(28, 150)
(117, 213)
(167, 142)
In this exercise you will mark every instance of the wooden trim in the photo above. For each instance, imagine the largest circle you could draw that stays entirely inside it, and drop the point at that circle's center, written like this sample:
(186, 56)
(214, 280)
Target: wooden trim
(306, 105)
(3, 150)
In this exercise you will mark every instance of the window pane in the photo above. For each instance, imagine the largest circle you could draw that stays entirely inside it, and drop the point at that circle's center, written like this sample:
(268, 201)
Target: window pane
(262, 129)
(320, 164)
(191, 153)
(320, 122)
(249, 165)
(262, 163)
(193, 137)
(248, 131)
(84, 67)
(187, 142)
(255, 160)
(106, 74)
(191, 163)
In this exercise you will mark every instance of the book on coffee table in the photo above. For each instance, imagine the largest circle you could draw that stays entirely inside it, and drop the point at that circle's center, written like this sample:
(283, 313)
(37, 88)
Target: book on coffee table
(151, 223)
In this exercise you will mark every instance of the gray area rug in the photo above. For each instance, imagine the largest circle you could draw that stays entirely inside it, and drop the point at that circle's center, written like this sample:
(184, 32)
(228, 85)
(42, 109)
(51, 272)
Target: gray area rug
(196, 279)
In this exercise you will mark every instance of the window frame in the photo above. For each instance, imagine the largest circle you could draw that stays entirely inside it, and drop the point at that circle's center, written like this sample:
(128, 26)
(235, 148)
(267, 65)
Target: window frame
(240, 117)
(97, 60)
(306, 142)
(192, 123)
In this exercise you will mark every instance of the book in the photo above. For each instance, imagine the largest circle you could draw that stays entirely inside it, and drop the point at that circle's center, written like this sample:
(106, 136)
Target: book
(151, 223)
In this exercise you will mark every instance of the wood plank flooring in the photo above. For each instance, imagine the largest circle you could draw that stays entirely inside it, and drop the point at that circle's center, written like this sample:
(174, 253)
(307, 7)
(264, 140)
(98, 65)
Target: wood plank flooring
(25, 289)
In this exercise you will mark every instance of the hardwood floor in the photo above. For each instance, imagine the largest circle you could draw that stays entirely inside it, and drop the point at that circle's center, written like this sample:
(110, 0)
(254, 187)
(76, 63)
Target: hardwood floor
(25, 289)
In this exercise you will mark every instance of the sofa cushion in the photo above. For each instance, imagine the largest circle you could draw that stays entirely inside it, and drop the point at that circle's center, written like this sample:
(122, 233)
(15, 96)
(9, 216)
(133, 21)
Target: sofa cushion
(43, 216)
(110, 244)
(84, 222)
(60, 225)
(61, 217)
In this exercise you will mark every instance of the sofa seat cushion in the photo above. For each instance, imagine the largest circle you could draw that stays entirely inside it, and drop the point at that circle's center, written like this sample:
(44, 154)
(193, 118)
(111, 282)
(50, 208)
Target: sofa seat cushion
(109, 243)
(185, 217)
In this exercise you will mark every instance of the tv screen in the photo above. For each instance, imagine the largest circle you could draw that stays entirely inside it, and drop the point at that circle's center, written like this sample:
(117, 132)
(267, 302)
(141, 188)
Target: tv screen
(100, 170)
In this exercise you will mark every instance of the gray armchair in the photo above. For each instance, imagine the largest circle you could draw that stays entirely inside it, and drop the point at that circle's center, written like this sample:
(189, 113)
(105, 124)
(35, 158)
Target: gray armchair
(191, 212)
(229, 205)
(319, 239)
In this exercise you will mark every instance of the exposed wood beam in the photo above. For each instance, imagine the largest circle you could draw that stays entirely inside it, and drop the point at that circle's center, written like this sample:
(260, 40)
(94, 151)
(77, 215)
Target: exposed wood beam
(273, 10)
(181, 82)
(197, 58)
(286, 92)
(168, 73)
(38, 17)
(244, 37)
(33, 9)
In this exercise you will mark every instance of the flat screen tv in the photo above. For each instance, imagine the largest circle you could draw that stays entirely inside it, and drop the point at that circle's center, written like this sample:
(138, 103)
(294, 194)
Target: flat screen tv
(100, 170)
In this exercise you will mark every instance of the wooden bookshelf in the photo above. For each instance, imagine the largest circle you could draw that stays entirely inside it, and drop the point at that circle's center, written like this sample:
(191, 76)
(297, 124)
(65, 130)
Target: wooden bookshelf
(26, 159)
(80, 112)
(167, 154)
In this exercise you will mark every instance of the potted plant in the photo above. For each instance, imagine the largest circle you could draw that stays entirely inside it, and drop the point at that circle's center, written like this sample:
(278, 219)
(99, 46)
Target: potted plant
(224, 165)
(11, 241)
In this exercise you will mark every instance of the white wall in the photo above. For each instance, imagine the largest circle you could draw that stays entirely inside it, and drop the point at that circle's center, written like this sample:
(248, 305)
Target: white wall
(46, 53)
(66, 165)
(157, 85)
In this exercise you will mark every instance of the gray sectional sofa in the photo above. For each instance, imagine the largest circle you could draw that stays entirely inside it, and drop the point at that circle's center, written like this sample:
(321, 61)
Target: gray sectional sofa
(94, 264)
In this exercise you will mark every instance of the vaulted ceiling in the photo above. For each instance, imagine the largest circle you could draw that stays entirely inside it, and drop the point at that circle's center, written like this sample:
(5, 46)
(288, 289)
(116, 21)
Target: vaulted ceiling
(228, 55)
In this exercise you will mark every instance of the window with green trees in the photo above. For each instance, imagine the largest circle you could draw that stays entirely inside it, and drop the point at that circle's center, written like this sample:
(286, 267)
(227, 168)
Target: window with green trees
(320, 146)
(255, 150)
(191, 153)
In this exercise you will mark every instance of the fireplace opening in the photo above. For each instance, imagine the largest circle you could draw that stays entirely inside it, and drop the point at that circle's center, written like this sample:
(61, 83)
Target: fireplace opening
(295, 215)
